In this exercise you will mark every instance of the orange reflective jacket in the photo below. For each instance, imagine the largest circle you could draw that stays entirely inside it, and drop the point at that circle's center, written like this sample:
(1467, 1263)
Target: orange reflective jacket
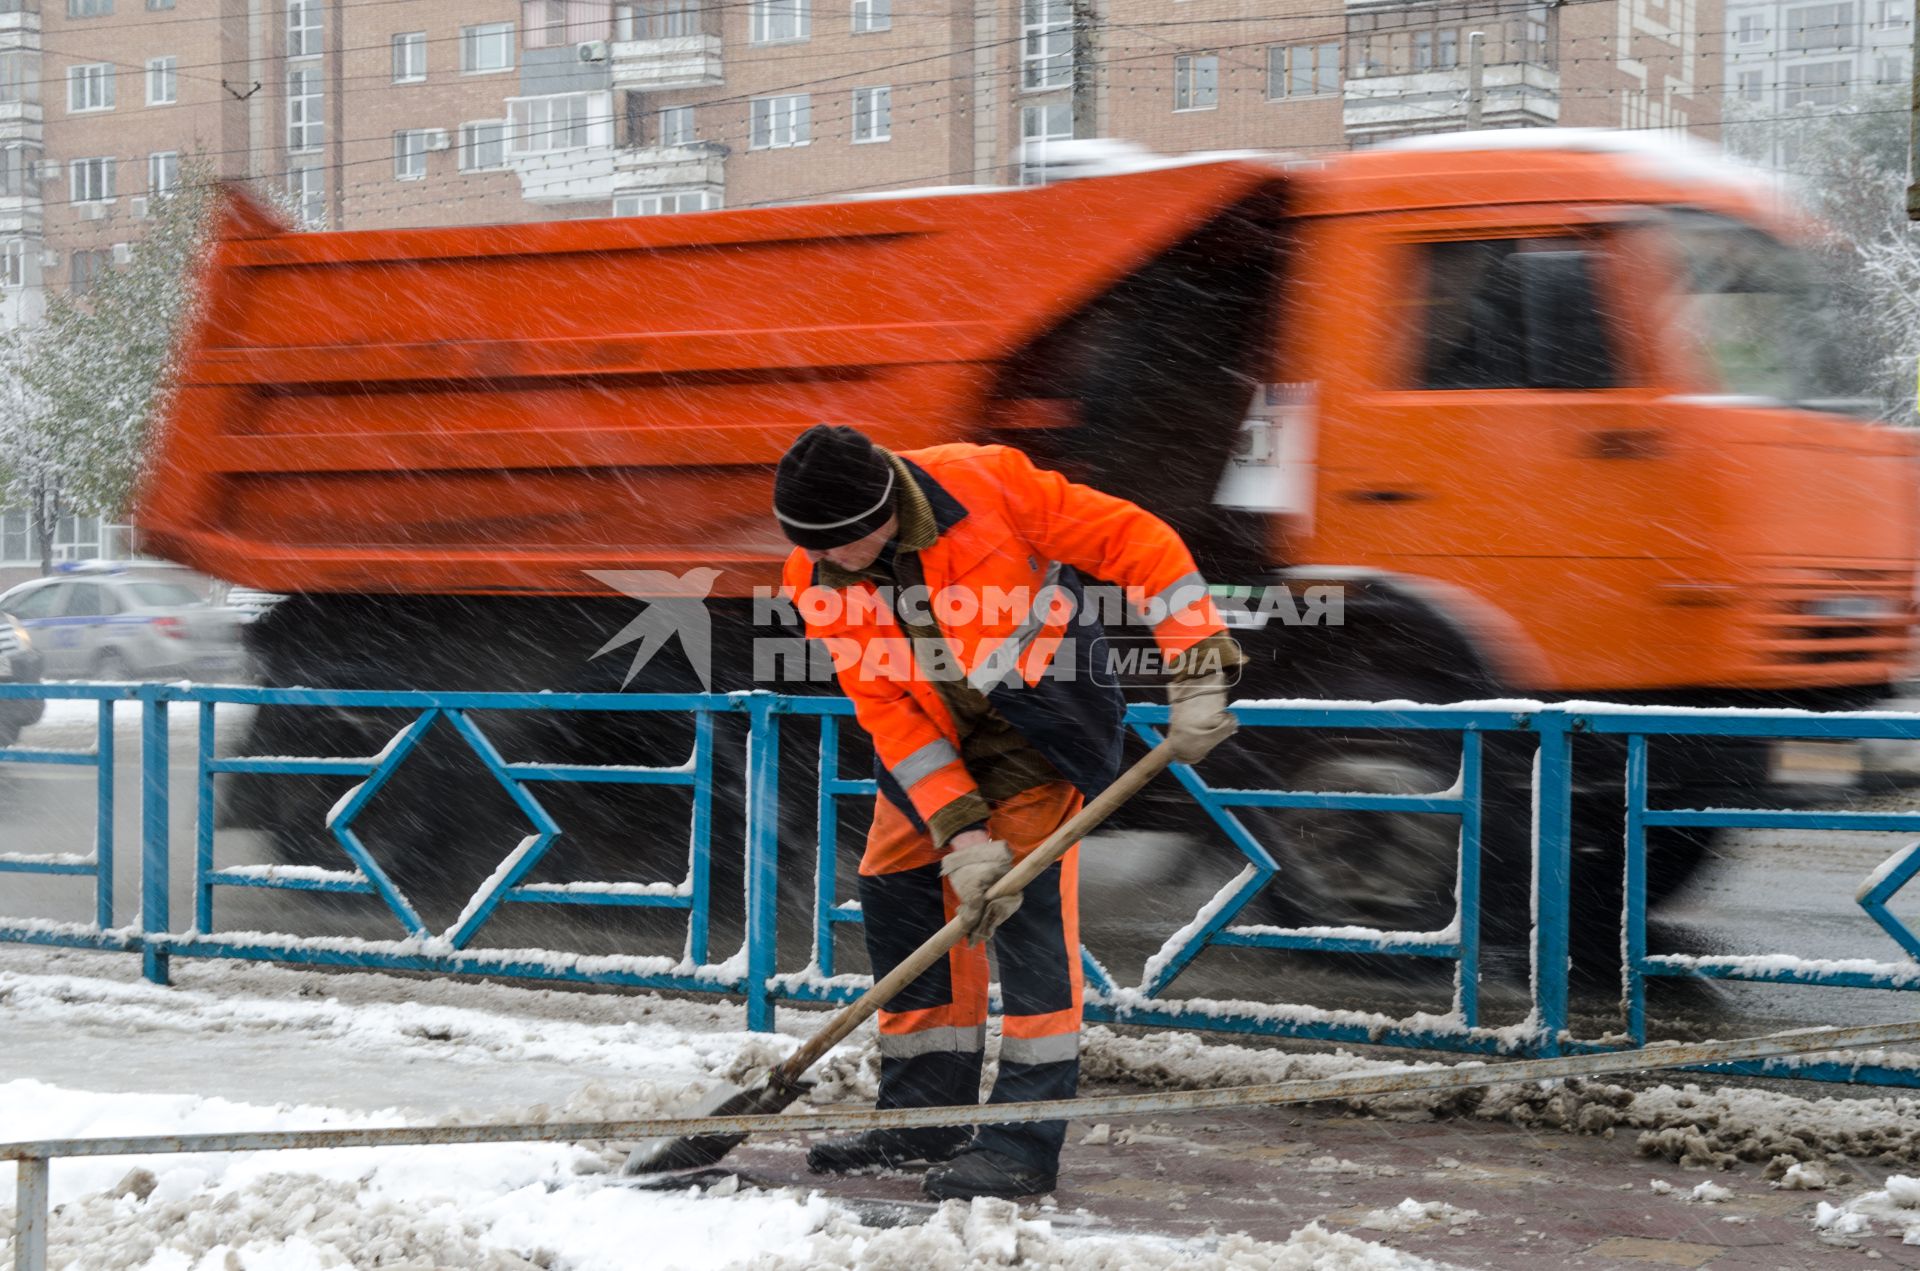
(1003, 583)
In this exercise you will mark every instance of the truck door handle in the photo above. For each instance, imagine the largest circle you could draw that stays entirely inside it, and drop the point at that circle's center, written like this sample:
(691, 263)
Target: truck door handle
(1385, 496)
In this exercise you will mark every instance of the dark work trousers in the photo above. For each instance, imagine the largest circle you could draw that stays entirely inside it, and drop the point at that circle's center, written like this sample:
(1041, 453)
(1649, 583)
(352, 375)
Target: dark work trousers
(933, 1033)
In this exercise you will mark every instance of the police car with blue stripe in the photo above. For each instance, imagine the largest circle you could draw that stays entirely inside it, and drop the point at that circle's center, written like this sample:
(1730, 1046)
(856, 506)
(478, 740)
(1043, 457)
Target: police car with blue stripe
(108, 622)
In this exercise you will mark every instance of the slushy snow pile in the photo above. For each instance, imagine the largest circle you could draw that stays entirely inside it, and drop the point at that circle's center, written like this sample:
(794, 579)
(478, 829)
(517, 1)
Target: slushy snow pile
(498, 1207)
(1897, 1205)
(1412, 1215)
(511, 1207)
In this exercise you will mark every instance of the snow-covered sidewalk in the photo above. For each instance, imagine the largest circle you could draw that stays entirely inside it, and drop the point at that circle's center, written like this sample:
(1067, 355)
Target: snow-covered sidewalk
(1579, 1174)
(90, 1050)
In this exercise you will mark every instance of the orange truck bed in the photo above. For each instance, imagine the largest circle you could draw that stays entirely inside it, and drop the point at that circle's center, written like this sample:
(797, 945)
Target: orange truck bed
(503, 409)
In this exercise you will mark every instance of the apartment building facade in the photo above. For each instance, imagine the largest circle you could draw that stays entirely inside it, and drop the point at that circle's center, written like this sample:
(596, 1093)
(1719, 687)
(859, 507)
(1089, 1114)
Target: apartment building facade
(383, 113)
(1785, 60)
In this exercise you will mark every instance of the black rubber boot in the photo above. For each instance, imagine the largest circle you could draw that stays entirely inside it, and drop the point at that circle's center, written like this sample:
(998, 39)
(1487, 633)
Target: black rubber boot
(985, 1172)
(888, 1149)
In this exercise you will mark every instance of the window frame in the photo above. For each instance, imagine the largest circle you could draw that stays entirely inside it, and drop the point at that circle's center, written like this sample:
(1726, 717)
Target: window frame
(165, 164)
(1192, 91)
(1044, 67)
(677, 135)
(83, 78)
(1056, 124)
(13, 264)
(306, 28)
(410, 154)
(302, 196)
(788, 115)
(877, 122)
(168, 68)
(594, 126)
(404, 45)
(89, 8)
(871, 16)
(101, 187)
(476, 36)
(1322, 70)
(306, 126)
(627, 204)
(20, 75)
(470, 147)
(762, 16)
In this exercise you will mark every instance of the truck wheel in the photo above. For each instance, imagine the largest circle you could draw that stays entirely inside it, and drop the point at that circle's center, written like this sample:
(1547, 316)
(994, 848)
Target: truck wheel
(1375, 869)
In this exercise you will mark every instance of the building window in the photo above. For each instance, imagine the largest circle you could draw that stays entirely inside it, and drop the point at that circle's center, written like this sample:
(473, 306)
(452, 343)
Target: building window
(19, 76)
(1040, 125)
(13, 264)
(1749, 29)
(303, 28)
(1819, 26)
(1423, 50)
(1536, 38)
(90, 180)
(163, 81)
(557, 122)
(872, 15)
(873, 114)
(1891, 14)
(1446, 48)
(1196, 82)
(20, 171)
(409, 57)
(483, 145)
(307, 187)
(1750, 86)
(1890, 68)
(89, 8)
(410, 154)
(163, 172)
(487, 47)
(84, 269)
(1302, 70)
(90, 87)
(1820, 84)
(154, 6)
(674, 126)
(778, 21)
(543, 23)
(1046, 44)
(665, 203)
(774, 123)
(659, 20)
(304, 128)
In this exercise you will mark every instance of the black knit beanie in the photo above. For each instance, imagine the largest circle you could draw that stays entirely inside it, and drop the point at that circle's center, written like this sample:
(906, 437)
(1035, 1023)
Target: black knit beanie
(833, 487)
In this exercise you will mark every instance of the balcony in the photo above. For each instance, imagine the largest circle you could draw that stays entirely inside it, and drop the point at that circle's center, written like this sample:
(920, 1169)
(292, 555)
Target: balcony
(20, 121)
(17, 28)
(1517, 95)
(648, 169)
(678, 61)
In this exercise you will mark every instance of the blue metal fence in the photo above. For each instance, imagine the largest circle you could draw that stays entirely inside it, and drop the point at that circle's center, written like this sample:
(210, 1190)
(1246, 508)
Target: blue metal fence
(753, 971)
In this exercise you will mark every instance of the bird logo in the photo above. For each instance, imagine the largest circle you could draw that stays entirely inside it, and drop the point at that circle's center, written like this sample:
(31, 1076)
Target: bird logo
(676, 605)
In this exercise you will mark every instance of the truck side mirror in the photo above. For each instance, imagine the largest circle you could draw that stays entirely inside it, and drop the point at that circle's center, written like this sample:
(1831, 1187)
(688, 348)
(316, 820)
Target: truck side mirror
(1566, 333)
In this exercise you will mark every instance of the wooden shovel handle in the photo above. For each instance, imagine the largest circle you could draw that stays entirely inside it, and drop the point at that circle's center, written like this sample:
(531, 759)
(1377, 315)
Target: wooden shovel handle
(1031, 867)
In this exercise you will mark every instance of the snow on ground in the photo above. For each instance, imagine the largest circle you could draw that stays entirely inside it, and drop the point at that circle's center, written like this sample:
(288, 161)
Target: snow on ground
(1897, 1205)
(92, 1050)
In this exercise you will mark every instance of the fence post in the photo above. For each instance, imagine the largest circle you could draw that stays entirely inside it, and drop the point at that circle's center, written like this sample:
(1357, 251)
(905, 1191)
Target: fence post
(103, 815)
(763, 858)
(30, 1215)
(1552, 872)
(154, 918)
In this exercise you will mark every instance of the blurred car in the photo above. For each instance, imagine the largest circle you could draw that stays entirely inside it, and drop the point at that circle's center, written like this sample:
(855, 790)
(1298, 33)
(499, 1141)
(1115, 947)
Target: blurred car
(109, 625)
(19, 664)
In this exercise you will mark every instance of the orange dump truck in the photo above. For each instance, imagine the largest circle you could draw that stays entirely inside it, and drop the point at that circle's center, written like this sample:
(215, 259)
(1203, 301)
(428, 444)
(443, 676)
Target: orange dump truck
(1550, 418)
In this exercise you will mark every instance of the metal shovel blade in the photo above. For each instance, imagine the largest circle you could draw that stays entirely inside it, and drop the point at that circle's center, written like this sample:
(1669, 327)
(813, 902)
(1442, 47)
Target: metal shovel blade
(660, 1156)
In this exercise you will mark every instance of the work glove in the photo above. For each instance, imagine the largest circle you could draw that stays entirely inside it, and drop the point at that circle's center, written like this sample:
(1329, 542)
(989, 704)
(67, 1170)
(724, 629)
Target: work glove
(1199, 720)
(972, 871)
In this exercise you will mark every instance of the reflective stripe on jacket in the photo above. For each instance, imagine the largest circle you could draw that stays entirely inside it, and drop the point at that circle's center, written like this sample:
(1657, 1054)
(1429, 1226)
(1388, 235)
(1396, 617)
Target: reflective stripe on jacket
(1004, 573)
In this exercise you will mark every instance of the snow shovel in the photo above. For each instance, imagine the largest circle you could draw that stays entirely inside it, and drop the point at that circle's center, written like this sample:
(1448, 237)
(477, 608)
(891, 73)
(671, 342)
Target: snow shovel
(781, 1087)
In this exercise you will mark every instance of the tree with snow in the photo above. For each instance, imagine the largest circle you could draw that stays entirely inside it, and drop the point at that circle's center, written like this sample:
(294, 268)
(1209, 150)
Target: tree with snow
(1848, 166)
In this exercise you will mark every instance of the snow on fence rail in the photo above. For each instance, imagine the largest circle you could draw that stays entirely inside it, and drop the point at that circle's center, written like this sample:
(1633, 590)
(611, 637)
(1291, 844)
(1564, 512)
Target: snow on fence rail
(752, 972)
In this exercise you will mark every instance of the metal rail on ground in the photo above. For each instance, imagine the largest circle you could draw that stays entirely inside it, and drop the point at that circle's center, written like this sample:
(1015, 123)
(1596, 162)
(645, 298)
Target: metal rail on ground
(34, 1158)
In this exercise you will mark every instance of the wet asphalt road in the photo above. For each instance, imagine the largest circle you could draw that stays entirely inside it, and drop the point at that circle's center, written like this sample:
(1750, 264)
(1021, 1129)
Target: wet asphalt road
(1770, 892)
